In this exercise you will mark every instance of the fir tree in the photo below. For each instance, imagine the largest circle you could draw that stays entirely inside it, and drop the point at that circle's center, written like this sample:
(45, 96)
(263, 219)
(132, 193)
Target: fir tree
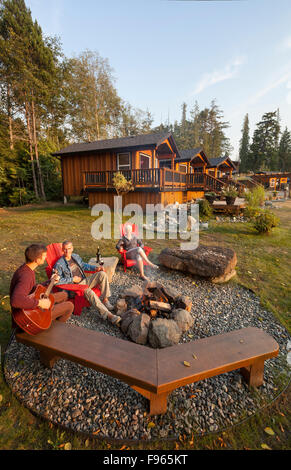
(284, 154)
(264, 147)
(244, 150)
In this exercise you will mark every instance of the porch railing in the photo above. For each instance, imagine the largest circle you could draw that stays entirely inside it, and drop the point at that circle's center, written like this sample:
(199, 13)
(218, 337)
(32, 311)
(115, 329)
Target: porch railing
(161, 178)
(104, 179)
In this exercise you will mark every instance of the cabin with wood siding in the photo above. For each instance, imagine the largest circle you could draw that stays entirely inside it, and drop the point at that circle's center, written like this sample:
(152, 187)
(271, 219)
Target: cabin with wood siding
(273, 180)
(160, 173)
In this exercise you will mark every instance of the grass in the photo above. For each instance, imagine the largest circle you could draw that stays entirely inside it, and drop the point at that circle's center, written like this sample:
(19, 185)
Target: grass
(264, 265)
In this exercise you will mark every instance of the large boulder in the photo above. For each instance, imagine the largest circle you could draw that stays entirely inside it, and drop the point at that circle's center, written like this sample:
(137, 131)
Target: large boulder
(138, 329)
(215, 263)
(127, 318)
(163, 333)
(183, 319)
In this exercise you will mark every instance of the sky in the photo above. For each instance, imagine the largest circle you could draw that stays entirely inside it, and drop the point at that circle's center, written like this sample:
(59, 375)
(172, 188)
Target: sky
(166, 52)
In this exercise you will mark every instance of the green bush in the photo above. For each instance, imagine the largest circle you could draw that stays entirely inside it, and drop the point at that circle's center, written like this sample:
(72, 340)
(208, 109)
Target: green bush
(265, 221)
(205, 210)
(230, 191)
(255, 197)
(121, 184)
(251, 212)
(22, 196)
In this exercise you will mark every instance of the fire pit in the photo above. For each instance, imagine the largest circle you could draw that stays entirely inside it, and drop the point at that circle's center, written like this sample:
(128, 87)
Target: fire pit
(154, 315)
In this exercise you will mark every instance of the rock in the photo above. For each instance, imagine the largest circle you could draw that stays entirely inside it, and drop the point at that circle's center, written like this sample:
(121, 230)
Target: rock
(134, 291)
(127, 318)
(170, 293)
(163, 333)
(205, 261)
(138, 329)
(183, 319)
(224, 277)
(184, 302)
(121, 306)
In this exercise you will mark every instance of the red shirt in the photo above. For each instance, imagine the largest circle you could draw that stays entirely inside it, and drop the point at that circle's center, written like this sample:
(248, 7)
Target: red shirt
(21, 287)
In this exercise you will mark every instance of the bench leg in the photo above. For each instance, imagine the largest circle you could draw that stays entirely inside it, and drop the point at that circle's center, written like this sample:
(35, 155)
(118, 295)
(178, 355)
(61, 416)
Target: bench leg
(48, 359)
(254, 374)
(158, 403)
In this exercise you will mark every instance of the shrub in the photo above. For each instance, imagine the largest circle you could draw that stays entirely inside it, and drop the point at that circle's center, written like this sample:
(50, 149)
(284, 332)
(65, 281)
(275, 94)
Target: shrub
(205, 210)
(265, 221)
(230, 191)
(121, 184)
(256, 196)
(251, 212)
(22, 196)
(255, 199)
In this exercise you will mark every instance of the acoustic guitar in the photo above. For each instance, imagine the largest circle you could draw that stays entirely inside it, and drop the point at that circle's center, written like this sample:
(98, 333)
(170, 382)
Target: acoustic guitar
(36, 320)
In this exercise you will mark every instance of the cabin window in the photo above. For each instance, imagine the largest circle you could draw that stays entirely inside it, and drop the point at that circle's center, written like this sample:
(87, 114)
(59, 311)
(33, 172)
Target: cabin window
(272, 182)
(183, 168)
(144, 161)
(123, 161)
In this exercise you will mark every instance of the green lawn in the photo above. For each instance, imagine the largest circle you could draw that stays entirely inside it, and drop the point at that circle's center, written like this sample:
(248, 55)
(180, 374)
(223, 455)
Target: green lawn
(264, 265)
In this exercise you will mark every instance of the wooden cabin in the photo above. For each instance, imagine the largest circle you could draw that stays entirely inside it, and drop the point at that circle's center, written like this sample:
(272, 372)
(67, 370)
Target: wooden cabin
(161, 174)
(272, 180)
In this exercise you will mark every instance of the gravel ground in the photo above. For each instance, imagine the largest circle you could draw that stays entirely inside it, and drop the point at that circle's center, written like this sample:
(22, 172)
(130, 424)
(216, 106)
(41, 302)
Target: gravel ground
(85, 400)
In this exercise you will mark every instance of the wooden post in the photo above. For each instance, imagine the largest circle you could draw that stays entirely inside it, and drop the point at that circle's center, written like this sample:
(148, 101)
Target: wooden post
(84, 179)
(173, 162)
(48, 359)
(254, 374)
(158, 403)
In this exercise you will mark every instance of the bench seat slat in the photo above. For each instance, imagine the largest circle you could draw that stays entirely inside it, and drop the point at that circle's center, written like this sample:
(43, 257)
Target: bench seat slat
(215, 355)
(133, 363)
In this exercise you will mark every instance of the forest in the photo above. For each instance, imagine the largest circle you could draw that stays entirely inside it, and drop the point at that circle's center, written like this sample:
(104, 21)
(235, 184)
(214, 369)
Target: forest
(48, 100)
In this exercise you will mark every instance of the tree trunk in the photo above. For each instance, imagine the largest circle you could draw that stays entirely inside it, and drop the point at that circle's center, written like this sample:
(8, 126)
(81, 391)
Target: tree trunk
(28, 124)
(97, 117)
(36, 152)
(11, 137)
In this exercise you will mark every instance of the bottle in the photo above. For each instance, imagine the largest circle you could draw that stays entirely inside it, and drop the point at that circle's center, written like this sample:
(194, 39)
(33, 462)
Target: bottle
(99, 258)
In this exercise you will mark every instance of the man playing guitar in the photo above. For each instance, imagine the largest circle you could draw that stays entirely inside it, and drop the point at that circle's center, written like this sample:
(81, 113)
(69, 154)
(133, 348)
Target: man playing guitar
(23, 285)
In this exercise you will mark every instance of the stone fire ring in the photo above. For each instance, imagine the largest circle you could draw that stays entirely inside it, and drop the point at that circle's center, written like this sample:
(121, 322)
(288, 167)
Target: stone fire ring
(86, 401)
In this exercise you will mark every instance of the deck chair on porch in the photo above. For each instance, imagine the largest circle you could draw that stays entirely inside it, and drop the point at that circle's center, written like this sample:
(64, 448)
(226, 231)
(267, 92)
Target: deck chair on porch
(127, 263)
(54, 252)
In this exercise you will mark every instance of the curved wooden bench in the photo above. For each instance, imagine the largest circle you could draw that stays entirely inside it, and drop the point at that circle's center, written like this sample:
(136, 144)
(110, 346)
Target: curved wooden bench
(156, 372)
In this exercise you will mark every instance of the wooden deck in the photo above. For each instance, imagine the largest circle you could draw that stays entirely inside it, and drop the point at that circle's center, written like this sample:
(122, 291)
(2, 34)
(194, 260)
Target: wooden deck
(159, 179)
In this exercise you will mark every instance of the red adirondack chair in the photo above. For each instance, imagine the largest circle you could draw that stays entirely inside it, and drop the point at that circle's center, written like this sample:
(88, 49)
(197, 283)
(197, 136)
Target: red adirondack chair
(127, 263)
(54, 252)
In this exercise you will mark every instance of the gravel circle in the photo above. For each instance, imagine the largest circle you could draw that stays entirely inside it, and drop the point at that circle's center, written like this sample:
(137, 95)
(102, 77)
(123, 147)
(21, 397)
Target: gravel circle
(88, 401)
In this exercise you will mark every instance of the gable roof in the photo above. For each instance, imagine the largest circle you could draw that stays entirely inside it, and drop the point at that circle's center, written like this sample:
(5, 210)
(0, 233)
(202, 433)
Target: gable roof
(214, 162)
(189, 154)
(120, 143)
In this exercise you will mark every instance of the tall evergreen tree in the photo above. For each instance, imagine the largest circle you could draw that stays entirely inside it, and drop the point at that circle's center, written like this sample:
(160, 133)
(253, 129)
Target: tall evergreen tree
(244, 149)
(205, 128)
(29, 68)
(284, 154)
(264, 148)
